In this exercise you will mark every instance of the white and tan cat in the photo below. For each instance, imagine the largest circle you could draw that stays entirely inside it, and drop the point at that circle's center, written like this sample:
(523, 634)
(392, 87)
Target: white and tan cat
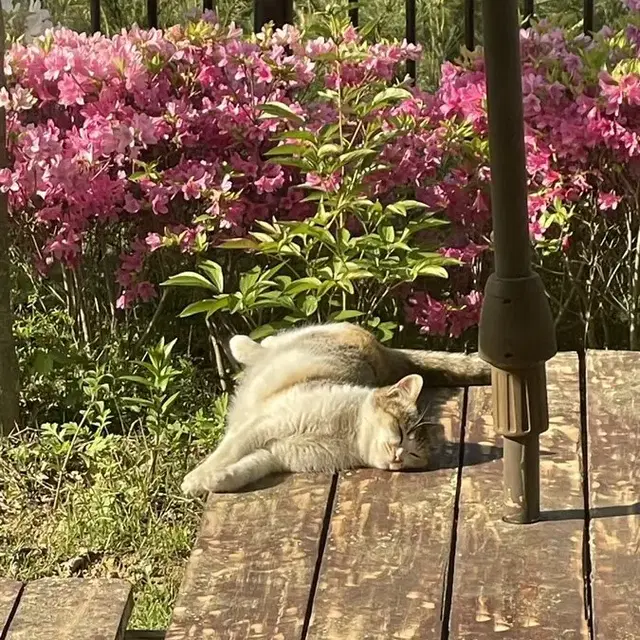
(324, 398)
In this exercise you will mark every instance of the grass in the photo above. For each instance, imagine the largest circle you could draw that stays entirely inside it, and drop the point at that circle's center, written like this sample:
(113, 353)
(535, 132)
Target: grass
(112, 519)
(99, 496)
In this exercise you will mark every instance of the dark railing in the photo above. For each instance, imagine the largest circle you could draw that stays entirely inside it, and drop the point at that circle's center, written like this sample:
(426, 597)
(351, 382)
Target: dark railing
(281, 12)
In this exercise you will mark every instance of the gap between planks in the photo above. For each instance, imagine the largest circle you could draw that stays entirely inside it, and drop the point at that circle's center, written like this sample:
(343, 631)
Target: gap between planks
(447, 589)
(10, 594)
(587, 562)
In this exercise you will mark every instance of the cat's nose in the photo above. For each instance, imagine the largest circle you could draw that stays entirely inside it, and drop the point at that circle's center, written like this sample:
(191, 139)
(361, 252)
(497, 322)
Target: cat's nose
(399, 452)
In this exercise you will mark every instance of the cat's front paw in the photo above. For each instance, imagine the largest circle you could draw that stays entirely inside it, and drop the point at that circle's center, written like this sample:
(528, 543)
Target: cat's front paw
(192, 485)
(197, 484)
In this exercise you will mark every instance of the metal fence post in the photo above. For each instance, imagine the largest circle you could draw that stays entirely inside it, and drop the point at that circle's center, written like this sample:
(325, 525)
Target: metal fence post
(152, 14)
(94, 9)
(280, 12)
(517, 334)
(410, 33)
(353, 12)
(588, 17)
(469, 24)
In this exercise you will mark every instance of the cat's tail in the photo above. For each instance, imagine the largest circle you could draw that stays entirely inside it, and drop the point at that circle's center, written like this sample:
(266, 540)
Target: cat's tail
(438, 368)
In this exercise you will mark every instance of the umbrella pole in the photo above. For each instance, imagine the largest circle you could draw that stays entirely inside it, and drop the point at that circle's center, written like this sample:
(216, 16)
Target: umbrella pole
(517, 334)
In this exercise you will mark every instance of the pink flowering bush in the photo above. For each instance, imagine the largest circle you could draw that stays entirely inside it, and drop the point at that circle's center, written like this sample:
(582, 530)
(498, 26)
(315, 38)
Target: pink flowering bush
(158, 149)
(582, 118)
(297, 175)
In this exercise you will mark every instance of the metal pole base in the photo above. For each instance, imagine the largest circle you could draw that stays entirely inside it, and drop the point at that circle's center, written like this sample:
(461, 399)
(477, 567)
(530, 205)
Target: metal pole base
(522, 480)
(521, 414)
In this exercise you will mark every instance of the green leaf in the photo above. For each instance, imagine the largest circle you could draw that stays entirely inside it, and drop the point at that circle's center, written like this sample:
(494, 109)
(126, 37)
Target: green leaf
(262, 332)
(388, 234)
(386, 330)
(345, 314)
(208, 305)
(346, 285)
(261, 237)
(329, 150)
(432, 271)
(169, 401)
(314, 196)
(392, 94)
(310, 305)
(397, 209)
(358, 154)
(303, 284)
(286, 150)
(214, 271)
(137, 380)
(248, 280)
(239, 243)
(188, 279)
(279, 110)
(412, 204)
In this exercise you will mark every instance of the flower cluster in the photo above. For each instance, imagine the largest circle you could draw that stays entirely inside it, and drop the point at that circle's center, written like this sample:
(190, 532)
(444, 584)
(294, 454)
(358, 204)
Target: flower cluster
(582, 138)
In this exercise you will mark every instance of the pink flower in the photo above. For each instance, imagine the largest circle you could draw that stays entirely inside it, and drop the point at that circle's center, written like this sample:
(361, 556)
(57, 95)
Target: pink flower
(131, 205)
(159, 203)
(146, 291)
(608, 200)
(465, 313)
(330, 184)
(263, 73)
(271, 181)
(154, 241)
(7, 181)
(70, 92)
(429, 314)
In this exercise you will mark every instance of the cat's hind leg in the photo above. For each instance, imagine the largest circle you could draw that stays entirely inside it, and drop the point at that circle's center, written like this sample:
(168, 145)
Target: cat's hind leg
(244, 350)
(248, 469)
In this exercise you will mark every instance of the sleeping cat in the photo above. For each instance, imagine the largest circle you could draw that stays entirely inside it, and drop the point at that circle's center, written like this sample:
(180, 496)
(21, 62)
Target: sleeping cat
(322, 427)
(306, 399)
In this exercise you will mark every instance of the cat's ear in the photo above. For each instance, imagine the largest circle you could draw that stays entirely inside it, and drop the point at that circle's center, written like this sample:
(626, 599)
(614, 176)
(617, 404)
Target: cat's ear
(410, 386)
(243, 349)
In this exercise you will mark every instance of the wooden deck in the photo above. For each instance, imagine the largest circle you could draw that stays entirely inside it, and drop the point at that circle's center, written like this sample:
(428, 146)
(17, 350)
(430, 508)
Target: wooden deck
(64, 609)
(384, 555)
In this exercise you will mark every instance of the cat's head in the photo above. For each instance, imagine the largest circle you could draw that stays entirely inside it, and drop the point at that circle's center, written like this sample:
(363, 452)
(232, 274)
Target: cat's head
(399, 439)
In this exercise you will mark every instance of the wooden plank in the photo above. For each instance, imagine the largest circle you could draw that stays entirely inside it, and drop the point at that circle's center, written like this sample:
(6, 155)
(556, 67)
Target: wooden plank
(72, 609)
(387, 552)
(523, 581)
(9, 597)
(613, 422)
(250, 573)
